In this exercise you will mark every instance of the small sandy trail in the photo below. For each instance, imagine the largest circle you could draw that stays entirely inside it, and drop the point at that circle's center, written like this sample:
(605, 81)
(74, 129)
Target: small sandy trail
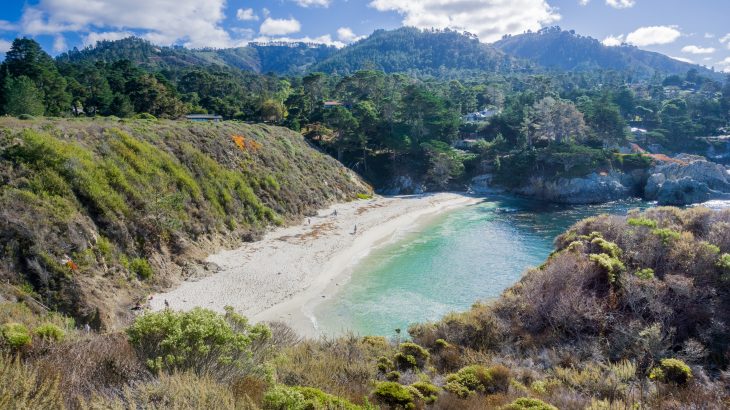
(286, 274)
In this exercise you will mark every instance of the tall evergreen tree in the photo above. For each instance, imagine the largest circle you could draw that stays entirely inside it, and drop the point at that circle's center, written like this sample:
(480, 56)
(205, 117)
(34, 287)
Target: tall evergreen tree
(22, 96)
(27, 58)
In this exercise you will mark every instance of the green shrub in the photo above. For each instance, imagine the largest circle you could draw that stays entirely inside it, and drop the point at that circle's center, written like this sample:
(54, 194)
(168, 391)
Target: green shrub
(672, 371)
(141, 268)
(144, 116)
(26, 117)
(304, 398)
(364, 196)
(607, 247)
(612, 266)
(393, 376)
(724, 262)
(476, 378)
(49, 331)
(317, 399)
(396, 395)
(646, 222)
(411, 356)
(16, 335)
(526, 403)
(666, 235)
(284, 398)
(384, 364)
(429, 392)
(200, 340)
(442, 344)
(646, 273)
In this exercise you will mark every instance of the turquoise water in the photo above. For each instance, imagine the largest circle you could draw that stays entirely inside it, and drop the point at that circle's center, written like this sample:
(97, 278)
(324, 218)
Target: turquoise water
(470, 254)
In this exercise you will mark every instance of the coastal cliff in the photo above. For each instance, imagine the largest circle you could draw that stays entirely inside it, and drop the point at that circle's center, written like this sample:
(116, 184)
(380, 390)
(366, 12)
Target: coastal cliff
(682, 180)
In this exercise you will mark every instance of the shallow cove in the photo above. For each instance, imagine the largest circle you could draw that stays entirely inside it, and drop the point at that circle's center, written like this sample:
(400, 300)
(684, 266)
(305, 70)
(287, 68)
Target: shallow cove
(466, 255)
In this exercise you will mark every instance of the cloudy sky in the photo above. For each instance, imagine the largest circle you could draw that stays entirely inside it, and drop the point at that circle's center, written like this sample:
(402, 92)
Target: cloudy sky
(696, 31)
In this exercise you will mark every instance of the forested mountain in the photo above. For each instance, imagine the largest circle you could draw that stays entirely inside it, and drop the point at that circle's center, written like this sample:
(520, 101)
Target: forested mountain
(410, 50)
(557, 49)
(280, 58)
(406, 50)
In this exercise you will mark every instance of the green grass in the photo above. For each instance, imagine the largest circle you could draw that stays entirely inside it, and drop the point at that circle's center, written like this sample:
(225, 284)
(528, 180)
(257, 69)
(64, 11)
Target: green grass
(115, 195)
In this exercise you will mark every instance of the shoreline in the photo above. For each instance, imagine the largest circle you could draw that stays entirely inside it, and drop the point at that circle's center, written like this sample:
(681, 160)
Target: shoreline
(284, 276)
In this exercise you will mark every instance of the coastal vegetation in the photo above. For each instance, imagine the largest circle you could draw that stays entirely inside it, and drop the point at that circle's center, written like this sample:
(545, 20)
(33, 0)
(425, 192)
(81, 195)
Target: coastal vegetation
(574, 333)
(98, 213)
(107, 196)
(391, 120)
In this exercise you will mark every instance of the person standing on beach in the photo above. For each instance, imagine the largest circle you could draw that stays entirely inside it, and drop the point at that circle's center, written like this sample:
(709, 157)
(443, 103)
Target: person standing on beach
(354, 231)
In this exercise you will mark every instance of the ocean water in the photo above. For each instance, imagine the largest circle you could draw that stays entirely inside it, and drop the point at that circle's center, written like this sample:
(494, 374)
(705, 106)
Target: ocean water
(467, 255)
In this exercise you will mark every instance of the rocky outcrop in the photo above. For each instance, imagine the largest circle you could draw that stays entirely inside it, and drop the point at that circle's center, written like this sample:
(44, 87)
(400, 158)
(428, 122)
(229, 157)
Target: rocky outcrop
(687, 180)
(682, 180)
(482, 184)
(594, 188)
(403, 185)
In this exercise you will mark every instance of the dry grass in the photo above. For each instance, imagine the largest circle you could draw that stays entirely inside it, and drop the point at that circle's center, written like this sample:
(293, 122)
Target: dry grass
(21, 387)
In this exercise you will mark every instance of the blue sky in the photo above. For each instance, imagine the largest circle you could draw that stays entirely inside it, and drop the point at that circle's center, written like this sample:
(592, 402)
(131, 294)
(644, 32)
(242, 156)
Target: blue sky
(696, 31)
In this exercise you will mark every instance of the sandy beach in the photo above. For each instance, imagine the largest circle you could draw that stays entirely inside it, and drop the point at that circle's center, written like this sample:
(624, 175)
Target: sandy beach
(292, 269)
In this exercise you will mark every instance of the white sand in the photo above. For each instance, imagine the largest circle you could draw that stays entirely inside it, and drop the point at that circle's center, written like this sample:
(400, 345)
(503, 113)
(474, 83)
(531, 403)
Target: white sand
(285, 275)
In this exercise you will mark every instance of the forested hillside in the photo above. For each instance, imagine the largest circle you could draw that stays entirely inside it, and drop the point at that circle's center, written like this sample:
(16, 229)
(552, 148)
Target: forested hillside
(419, 52)
(284, 58)
(559, 124)
(94, 213)
(557, 49)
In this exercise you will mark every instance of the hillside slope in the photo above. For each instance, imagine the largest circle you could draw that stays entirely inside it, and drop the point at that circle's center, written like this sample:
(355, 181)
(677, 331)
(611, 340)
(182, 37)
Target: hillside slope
(557, 49)
(415, 51)
(279, 58)
(96, 213)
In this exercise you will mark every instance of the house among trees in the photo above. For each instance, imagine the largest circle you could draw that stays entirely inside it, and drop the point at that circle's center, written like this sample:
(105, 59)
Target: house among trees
(480, 116)
(332, 104)
(203, 118)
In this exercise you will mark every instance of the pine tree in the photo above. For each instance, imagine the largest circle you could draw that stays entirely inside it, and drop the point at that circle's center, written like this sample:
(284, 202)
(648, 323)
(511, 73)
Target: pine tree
(27, 58)
(22, 97)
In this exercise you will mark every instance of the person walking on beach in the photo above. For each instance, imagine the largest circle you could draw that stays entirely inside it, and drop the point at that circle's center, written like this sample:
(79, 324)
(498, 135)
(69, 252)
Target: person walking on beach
(354, 231)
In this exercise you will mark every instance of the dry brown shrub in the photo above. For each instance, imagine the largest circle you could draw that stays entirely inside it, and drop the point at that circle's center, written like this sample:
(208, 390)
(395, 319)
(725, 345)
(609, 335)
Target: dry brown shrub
(344, 367)
(249, 389)
(171, 391)
(21, 387)
(719, 235)
(99, 364)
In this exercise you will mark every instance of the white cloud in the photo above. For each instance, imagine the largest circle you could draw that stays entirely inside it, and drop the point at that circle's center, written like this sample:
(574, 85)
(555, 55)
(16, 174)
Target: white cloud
(682, 59)
(584, 2)
(346, 35)
(489, 20)
(709, 35)
(7, 26)
(246, 15)
(726, 40)
(194, 23)
(316, 3)
(613, 41)
(724, 65)
(92, 38)
(5, 46)
(621, 4)
(279, 27)
(59, 44)
(326, 40)
(646, 36)
(697, 50)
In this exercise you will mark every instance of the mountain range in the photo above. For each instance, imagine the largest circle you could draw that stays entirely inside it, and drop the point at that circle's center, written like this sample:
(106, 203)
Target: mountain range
(406, 50)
